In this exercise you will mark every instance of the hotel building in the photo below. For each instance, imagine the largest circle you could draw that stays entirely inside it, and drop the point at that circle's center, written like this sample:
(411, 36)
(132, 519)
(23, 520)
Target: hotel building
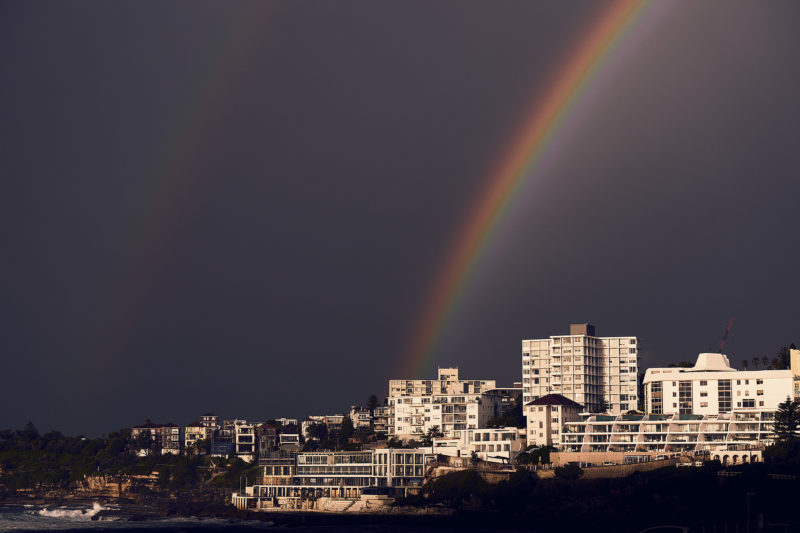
(589, 370)
(712, 387)
(306, 480)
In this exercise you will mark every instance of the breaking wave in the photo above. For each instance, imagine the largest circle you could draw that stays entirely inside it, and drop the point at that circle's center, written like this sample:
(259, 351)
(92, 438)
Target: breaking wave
(73, 514)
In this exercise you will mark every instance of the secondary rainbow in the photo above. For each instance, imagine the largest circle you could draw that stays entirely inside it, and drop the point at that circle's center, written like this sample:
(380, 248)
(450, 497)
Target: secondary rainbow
(518, 164)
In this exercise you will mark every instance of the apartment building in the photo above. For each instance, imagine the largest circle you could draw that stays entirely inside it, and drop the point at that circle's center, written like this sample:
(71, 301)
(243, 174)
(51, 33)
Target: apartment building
(600, 373)
(794, 365)
(545, 418)
(210, 420)
(332, 422)
(245, 444)
(382, 417)
(712, 387)
(194, 433)
(166, 436)
(449, 403)
(361, 417)
(722, 436)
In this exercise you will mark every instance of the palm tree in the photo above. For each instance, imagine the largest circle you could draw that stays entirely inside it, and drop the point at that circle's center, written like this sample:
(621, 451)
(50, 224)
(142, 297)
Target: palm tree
(756, 361)
(765, 362)
(744, 364)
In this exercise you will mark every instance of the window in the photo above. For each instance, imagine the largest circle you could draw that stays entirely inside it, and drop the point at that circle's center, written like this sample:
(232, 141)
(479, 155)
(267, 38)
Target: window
(759, 393)
(759, 382)
(703, 394)
(761, 403)
(703, 383)
(748, 403)
(724, 393)
(703, 404)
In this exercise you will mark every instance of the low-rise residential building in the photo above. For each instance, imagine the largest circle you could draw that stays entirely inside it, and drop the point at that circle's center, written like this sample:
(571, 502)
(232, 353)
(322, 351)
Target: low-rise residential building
(210, 420)
(267, 439)
(381, 418)
(333, 423)
(286, 421)
(245, 441)
(361, 417)
(223, 442)
(317, 476)
(794, 366)
(194, 433)
(493, 445)
(712, 387)
(166, 437)
(545, 418)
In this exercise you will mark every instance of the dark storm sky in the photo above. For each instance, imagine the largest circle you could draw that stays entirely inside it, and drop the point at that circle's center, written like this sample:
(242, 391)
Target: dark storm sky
(241, 207)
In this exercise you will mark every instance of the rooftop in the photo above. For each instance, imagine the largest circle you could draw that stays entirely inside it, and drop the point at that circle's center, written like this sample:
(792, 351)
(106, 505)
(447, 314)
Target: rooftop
(555, 399)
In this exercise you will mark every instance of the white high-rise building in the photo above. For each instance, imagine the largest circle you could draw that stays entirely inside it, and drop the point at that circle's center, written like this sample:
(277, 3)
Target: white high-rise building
(712, 387)
(595, 372)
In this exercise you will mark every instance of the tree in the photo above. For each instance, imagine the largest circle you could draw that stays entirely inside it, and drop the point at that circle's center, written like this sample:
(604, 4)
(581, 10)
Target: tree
(604, 406)
(347, 430)
(570, 471)
(30, 432)
(787, 421)
(765, 362)
(744, 364)
(372, 403)
(783, 359)
(433, 433)
(318, 431)
(756, 362)
(143, 440)
(474, 458)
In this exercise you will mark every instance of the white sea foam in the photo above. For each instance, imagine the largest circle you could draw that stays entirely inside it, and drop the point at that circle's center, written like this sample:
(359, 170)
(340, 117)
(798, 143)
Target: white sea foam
(72, 514)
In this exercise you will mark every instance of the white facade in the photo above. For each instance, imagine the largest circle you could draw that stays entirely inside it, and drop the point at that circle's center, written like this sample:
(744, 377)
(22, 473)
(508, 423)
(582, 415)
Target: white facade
(735, 431)
(586, 369)
(545, 419)
(452, 404)
(193, 433)
(493, 445)
(311, 476)
(361, 417)
(712, 387)
(245, 440)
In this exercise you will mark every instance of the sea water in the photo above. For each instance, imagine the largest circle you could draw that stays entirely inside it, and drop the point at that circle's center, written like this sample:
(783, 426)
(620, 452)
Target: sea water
(79, 518)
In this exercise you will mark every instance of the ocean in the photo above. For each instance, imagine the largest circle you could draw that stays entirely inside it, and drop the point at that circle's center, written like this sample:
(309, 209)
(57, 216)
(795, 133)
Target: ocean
(79, 519)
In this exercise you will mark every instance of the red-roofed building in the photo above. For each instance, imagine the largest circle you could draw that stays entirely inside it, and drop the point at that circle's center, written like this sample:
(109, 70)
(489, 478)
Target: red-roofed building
(546, 417)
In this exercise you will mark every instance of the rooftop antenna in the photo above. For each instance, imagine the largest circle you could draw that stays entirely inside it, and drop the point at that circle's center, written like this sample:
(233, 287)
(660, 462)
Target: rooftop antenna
(725, 335)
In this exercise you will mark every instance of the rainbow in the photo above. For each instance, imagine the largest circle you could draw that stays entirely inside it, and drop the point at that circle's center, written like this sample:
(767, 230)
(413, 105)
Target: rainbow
(519, 163)
(167, 191)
